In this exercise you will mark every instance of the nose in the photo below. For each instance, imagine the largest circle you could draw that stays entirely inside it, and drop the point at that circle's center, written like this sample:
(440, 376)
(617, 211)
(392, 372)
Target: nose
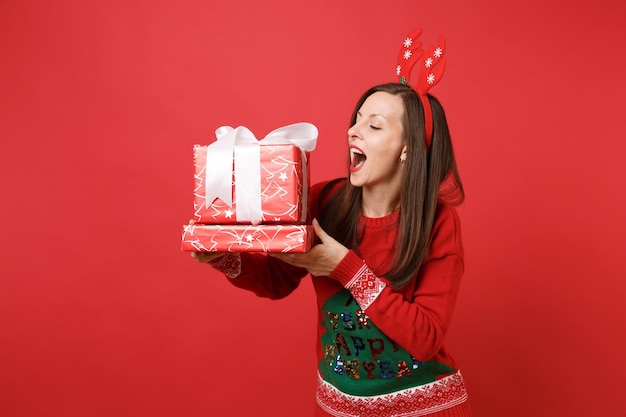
(353, 132)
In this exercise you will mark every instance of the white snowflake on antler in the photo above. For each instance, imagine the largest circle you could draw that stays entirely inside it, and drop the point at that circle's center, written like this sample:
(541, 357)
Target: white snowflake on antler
(408, 42)
(398, 70)
(228, 214)
(428, 63)
(438, 53)
(407, 54)
(430, 79)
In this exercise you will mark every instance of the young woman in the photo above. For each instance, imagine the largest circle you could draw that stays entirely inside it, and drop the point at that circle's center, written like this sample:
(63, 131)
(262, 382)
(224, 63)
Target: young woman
(387, 267)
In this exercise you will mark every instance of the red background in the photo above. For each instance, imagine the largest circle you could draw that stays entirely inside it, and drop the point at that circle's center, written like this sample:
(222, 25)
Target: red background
(100, 104)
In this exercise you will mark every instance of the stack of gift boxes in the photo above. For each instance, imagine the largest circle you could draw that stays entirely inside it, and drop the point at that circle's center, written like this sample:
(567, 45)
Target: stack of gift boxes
(252, 195)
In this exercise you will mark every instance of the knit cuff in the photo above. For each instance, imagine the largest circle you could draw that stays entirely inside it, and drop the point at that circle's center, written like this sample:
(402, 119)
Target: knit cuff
(229, 264)
(345, 270)
(359, 279)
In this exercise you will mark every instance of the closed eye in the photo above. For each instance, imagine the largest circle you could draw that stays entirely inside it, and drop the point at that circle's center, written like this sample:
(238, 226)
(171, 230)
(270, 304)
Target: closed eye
(374, 127)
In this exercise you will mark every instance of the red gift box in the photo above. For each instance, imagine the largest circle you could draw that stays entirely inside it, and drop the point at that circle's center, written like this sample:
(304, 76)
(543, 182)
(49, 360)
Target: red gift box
(284, 185)
(247, 238)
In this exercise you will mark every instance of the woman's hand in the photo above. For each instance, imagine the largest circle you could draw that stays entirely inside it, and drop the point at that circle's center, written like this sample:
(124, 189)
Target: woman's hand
(321, 259)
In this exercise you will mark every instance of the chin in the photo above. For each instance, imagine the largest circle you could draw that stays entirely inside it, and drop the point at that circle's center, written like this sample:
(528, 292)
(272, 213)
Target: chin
(355, 182)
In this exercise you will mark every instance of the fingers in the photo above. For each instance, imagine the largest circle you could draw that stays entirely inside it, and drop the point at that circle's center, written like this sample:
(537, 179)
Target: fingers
(306, 260)
(290, 258)
(205, 257)
(320, 233)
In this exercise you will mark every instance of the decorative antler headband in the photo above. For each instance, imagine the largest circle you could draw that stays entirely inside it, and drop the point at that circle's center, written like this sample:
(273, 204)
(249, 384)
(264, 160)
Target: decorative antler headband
(430, 73)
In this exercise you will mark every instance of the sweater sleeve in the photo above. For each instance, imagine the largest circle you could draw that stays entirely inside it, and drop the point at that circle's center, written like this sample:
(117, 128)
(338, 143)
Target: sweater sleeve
(263, 275)
(416, 317)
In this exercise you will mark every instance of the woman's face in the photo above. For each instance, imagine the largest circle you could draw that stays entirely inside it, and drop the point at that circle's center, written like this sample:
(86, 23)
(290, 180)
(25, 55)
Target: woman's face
(376, 142)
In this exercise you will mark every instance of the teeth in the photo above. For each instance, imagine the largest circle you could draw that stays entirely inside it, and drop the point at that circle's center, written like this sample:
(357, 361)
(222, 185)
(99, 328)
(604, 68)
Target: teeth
(358, 157)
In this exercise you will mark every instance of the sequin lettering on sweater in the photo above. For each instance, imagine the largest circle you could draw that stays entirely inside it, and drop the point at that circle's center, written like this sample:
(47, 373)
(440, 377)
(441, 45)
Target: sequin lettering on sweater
(353, 355)
(384, 369)
(359, 359)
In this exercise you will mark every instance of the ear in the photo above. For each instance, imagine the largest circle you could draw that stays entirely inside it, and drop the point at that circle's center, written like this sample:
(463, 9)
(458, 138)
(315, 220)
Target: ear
(403, 154)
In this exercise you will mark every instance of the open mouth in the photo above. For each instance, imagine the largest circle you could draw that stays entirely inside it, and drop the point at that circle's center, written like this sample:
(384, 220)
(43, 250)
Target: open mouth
(357, 159)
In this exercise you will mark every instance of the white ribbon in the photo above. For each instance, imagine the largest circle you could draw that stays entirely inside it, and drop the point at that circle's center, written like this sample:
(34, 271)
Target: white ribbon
(240, 145)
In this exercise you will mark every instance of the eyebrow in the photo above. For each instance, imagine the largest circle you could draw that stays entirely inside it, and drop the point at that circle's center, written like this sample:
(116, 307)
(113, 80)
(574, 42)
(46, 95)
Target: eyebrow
(372, 115)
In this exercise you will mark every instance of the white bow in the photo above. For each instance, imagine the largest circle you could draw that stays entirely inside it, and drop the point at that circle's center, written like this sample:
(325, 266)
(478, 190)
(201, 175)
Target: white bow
(241, 146)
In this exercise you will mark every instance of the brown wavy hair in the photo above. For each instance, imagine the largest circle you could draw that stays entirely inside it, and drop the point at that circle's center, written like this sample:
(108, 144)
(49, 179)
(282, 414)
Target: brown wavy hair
(430, 178)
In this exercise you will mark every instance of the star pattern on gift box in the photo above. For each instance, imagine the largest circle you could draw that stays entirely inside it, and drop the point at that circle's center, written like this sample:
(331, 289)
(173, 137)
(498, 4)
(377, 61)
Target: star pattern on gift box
(242, 238)
(283, 182)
